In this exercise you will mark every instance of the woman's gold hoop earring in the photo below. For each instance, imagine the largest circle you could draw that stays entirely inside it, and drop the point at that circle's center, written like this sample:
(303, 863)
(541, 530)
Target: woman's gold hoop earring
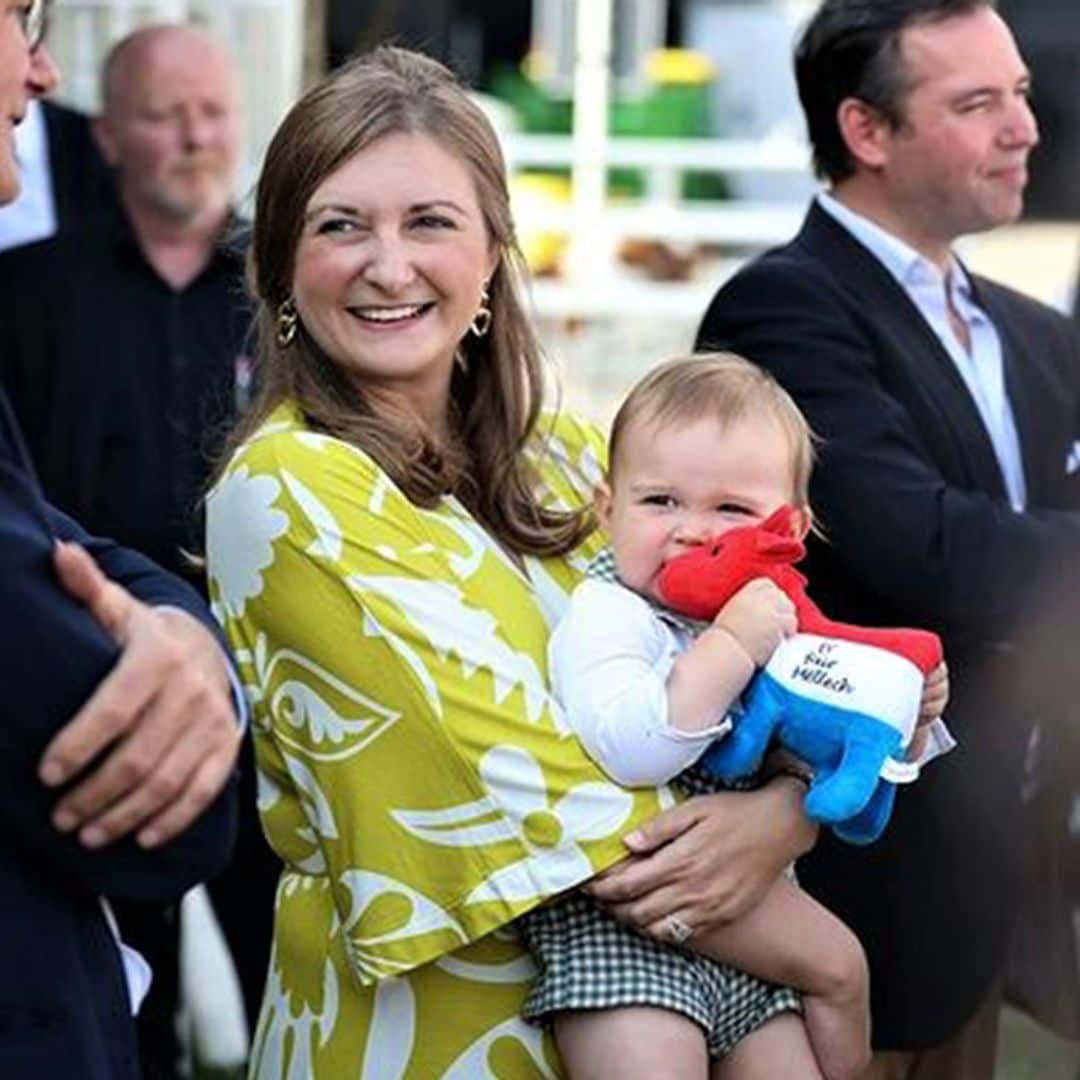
(287, 321)
(481, 323)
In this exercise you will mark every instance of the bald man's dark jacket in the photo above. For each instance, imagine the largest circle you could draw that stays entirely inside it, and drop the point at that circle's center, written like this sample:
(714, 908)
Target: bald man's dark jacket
(919, 531)
(63, 1002)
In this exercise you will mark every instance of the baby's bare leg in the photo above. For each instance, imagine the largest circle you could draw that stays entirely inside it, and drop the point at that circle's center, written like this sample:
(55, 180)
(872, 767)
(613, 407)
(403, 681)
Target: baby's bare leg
(779, 1048)
(789, 938)
(633, 1043)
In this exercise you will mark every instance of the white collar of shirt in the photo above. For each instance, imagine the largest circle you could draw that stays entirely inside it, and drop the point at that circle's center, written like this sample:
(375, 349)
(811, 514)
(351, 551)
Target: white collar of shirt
(32, 216)
(932, 292)
(900, 259)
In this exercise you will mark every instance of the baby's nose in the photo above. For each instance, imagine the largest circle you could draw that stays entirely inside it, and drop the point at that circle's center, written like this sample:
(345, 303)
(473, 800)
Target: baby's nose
(693, 529)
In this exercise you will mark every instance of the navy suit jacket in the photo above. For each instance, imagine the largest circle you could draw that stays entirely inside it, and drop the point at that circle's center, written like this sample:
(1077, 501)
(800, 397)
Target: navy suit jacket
(63, 1001)
(919, 532)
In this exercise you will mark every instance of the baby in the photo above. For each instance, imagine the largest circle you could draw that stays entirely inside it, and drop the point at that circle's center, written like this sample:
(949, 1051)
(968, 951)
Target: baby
(701, 445)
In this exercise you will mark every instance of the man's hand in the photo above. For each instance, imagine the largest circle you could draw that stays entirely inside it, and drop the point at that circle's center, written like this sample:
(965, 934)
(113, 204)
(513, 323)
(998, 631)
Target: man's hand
(707, 861)
(164, 714)
(935, 694)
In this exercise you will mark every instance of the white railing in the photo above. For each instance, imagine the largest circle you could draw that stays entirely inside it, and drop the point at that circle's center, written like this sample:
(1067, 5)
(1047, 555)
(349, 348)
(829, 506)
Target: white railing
(723, 155)
(738, 226)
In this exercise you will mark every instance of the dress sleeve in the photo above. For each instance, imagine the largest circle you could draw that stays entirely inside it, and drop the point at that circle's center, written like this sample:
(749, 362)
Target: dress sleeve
(409, 750)
(610, 661)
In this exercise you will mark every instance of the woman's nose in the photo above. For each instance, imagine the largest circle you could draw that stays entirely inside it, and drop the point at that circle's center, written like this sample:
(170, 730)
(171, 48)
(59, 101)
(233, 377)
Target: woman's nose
(389, 266)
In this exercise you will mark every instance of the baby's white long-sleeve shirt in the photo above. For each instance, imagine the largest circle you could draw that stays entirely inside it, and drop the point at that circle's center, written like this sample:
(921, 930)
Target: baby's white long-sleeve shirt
(609, 660)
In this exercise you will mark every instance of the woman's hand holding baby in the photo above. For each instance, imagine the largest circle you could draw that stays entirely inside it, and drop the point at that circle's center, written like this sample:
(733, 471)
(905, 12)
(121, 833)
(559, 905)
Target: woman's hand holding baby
(759, 616)
(709, 859)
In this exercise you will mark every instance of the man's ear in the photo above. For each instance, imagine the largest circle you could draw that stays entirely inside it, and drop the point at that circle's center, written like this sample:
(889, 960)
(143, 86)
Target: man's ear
(103, 136)
(801, 521)
(602, 503)
(865, 132)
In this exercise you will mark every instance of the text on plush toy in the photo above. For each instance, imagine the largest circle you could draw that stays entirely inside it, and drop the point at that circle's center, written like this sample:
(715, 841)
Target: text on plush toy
(816, 668)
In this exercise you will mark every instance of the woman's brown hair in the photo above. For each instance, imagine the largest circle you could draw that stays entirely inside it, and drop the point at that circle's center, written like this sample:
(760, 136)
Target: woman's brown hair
(497, 389)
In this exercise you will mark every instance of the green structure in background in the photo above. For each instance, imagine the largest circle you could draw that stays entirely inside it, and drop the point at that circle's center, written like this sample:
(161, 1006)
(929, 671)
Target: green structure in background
(674, 105)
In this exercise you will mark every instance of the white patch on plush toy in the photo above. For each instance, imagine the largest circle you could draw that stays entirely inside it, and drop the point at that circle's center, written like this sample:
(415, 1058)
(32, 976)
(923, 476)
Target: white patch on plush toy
(850, 676)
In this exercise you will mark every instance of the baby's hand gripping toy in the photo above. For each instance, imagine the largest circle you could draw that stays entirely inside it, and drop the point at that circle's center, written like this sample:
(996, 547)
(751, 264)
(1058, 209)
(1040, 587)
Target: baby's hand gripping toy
(844, 699)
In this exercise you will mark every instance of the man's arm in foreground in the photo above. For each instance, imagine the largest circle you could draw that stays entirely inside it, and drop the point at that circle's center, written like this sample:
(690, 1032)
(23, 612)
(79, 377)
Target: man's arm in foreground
(126, 672)
(169, 701)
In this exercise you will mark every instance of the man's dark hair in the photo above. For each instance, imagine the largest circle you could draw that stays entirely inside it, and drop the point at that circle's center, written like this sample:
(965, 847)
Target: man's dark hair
(851, 48)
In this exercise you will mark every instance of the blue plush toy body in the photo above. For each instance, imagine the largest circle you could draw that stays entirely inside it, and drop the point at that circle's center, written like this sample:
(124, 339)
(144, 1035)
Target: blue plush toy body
(848, 711)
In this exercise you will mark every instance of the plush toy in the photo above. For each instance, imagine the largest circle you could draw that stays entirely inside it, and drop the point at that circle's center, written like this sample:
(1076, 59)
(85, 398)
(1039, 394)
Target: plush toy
(844, 699)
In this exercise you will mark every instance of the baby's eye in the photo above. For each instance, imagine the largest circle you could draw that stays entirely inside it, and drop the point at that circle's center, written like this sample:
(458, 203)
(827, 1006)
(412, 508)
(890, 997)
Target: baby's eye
(657, 500)
(734, 508)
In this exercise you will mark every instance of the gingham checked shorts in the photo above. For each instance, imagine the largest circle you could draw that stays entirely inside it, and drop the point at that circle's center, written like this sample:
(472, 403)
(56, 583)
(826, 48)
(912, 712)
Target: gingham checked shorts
(587, 960)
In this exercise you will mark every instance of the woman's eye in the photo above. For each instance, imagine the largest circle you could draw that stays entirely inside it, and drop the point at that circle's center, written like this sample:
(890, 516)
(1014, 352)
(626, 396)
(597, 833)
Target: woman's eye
(335, 225)
(433, 221)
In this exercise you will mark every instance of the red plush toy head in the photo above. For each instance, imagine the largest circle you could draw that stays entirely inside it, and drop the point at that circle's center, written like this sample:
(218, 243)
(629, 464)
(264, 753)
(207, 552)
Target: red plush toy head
(701, 582)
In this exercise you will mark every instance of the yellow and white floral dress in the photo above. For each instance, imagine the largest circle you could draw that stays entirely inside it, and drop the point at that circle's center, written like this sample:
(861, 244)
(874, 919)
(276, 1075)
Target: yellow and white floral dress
(415, 775)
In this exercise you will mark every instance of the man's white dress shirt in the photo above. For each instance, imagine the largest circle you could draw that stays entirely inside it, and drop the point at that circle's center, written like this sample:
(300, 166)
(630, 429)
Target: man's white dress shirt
(32, 216)
(982, 369)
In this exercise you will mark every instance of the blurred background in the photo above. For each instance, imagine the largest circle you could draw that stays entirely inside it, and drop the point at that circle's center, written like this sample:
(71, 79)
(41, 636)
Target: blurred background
(627, 236)
(654, 146)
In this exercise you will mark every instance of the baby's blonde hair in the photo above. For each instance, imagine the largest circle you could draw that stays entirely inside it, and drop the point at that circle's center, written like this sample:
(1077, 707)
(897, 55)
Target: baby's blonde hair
(726, 388)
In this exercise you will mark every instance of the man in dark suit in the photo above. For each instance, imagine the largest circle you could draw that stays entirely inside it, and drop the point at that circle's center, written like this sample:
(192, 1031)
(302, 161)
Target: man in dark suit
(124, 352)
(117, 693)
(948, 484)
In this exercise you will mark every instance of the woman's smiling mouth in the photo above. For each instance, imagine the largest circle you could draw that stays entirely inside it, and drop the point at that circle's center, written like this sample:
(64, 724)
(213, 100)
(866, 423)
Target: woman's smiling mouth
(384, 316)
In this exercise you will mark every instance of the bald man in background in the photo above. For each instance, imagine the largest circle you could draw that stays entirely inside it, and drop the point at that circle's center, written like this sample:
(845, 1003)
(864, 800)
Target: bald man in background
(123, 347)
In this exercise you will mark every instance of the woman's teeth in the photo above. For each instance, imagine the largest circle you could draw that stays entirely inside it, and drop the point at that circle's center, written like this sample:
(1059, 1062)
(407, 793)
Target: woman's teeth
(390, 314)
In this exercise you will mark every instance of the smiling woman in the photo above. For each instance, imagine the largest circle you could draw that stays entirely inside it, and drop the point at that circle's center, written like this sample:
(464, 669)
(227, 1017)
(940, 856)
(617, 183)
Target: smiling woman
(383, 241)
(389, 547)
(392, 267)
